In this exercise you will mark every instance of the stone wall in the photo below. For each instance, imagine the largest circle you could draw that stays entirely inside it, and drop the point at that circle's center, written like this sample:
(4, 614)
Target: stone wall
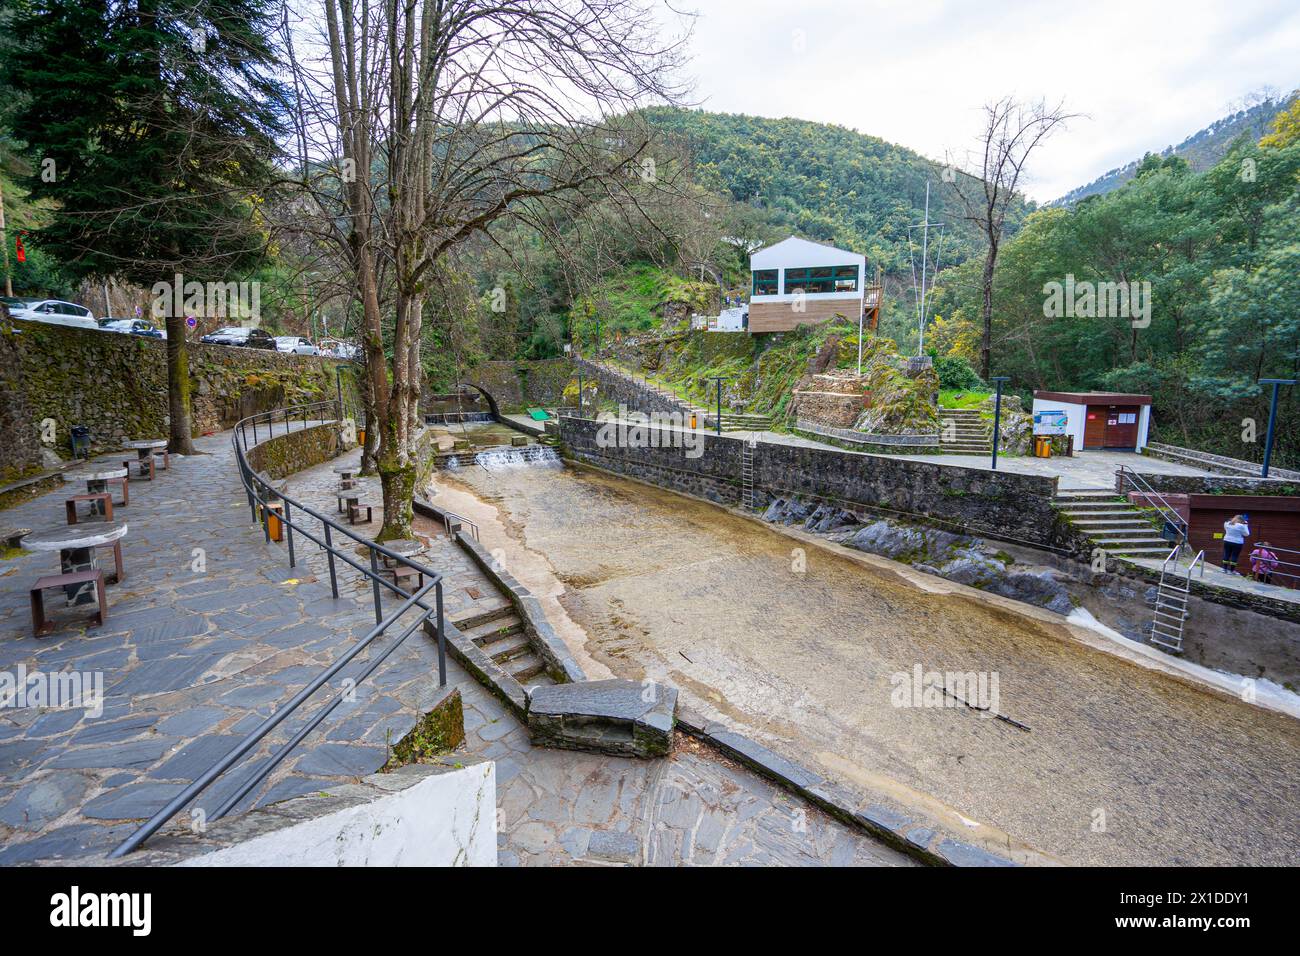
(524, 384)
(283, 455)
(623, 390)
(1209, 485)
(993, 504)
(116, 385)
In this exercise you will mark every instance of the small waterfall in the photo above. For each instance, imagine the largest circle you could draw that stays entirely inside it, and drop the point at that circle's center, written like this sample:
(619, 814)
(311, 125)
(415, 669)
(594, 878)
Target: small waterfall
(452, 463)
(510, 457)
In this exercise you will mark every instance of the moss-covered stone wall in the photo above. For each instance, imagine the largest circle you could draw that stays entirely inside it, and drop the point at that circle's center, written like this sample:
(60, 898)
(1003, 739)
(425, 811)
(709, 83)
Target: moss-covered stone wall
(116, 385)
(524, 384)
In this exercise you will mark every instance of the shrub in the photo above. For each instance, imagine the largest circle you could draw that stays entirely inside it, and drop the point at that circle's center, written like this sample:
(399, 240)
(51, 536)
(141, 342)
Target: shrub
(956, 373)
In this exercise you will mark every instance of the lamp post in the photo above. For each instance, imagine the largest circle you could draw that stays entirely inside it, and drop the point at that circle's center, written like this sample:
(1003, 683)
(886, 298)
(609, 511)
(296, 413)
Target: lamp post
(1272, 418)
(997, 381)
(718, 419)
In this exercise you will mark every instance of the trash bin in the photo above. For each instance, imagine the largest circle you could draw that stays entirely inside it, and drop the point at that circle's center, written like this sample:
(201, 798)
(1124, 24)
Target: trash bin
(80, 439)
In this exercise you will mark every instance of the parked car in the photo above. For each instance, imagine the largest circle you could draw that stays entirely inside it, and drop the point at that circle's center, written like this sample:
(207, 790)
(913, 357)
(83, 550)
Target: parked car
(297, 344)
(132, 327)
(337, 349)
(241, 336)
(54, 312)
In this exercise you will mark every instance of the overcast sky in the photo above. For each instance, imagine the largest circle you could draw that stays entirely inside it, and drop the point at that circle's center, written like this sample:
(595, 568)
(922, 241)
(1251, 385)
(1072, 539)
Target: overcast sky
(1147, 73)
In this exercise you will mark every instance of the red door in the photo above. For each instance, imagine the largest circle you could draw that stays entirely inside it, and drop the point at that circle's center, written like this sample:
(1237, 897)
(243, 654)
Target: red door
(1094, 427)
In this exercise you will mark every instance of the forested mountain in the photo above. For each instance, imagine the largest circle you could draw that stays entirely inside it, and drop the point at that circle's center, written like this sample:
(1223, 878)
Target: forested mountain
(1218, 250)
(1201, 150)
(824, 182)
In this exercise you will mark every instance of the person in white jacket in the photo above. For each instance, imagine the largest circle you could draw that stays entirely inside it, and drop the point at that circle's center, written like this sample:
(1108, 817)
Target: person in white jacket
(1235, 533)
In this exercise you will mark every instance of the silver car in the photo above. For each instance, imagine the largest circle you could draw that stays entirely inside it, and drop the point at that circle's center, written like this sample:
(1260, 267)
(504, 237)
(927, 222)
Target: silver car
(297, 344)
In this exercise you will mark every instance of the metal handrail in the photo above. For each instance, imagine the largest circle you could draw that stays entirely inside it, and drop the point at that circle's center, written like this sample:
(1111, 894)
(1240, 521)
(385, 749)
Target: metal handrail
(1167, 510)
(261, 494)
(448, 516)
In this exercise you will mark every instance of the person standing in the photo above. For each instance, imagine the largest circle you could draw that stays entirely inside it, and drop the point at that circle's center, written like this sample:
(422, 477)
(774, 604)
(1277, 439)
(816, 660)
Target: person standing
(1235, 533)
(1263, 563)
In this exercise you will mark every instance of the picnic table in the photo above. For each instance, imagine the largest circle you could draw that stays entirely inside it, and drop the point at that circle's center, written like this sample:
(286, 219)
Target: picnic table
(145, 449)
(97, 475)
(406, 548)
(76, 544)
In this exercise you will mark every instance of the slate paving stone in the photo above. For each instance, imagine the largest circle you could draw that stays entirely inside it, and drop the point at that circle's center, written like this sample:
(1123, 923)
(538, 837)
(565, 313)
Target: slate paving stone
(190, 723)
(195, 757)
(55, 722)
(341, 760)
(112, 731)
(67, 842)
(44, 800)
(134, 802)
(136, 753)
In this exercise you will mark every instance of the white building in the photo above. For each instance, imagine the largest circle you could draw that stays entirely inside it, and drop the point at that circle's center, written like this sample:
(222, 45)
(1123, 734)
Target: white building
(1096, 420)
(797, 282)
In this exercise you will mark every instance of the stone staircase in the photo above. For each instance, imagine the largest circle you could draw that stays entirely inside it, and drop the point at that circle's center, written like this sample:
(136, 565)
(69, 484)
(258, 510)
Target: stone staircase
(500, 634)
(1112, 523)
(738, 422)
(963, 432)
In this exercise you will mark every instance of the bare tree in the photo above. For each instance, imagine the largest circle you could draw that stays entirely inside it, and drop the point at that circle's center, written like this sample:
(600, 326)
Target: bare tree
(988, 186)
(424, 122)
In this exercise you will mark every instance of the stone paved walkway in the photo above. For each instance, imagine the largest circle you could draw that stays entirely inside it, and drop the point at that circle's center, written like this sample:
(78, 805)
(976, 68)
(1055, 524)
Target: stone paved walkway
(211, 630)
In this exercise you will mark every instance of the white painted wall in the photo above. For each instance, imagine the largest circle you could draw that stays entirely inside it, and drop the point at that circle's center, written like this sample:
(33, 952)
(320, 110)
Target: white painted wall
(447, 819)
(1077, 414)
(796, 253)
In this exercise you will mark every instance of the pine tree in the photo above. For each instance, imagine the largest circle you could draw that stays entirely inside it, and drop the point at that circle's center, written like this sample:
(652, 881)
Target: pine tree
(149, 125)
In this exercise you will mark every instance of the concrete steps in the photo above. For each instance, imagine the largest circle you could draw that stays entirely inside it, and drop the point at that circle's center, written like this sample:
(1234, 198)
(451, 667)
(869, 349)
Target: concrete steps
(500, 633)
(963, 432)
(1111, 522)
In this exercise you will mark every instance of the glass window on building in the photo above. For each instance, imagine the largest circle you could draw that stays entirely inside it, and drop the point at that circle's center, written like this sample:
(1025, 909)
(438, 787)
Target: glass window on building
(765, 282)
(822, 279)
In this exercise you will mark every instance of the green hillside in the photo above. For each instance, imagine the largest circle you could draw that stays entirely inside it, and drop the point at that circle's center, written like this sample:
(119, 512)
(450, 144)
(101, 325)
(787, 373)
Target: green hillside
(824, 182)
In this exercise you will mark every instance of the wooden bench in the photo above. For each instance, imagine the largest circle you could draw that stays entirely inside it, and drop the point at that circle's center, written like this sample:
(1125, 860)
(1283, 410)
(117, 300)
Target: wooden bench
(103, 497)
(402, 573)
(146, 467)
(125, 482)
(355, 508)
(40, 626)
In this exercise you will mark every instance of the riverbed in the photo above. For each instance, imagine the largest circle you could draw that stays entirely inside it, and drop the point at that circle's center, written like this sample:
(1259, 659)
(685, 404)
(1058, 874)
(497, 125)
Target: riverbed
(1099, 761)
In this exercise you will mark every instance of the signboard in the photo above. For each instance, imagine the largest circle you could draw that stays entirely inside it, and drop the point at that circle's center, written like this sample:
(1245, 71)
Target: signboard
(1051, 422)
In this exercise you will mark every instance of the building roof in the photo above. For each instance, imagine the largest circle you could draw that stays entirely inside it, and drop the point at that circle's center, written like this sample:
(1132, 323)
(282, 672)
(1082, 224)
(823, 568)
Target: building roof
(798, 252)
(1094, 398)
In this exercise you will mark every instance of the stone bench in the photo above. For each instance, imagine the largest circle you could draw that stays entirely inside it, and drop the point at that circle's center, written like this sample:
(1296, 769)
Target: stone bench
(620, 717)
(95, 576)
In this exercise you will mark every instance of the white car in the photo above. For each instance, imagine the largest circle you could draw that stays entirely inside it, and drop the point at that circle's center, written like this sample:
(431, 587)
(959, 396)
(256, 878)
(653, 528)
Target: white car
(337, 349)
(55, 312)
(296, 344)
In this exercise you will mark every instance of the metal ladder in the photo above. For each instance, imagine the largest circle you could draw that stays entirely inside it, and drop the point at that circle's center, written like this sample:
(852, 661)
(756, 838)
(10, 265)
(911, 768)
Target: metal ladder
(1171, 601)
(747, 473)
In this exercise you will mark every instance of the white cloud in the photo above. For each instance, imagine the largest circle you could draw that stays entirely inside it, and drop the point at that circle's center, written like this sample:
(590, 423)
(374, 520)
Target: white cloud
(916, 72)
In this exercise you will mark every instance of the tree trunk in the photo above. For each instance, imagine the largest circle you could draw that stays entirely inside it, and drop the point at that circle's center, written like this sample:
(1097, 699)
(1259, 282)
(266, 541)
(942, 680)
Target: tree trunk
(986, 332)
(370, 447)
(180, 437)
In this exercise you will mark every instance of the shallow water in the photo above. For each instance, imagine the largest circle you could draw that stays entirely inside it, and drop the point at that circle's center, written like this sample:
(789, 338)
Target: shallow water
(797, 645)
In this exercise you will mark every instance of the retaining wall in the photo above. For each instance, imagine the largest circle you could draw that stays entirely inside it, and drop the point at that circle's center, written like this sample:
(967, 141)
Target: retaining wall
(116, 385)
(993, 504)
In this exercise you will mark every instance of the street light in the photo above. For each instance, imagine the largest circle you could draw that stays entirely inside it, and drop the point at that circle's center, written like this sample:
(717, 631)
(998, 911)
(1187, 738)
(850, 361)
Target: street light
(1272, 418)
(718, 420)
(997, 381)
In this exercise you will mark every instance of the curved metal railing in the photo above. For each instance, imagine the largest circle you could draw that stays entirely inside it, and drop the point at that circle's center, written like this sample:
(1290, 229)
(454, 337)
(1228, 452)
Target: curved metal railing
(297, 518)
